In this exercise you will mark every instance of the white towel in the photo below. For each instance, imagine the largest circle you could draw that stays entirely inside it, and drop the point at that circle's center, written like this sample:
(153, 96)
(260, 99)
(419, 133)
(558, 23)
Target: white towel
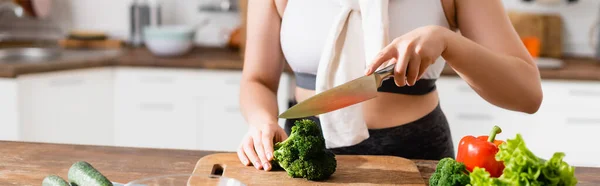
(359, 33)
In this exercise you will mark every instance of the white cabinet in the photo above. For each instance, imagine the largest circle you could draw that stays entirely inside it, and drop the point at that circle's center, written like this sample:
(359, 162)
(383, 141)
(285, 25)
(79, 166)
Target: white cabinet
(67, 107)
(469, 114)
(155, 108)
(181, 108)
(219, 114)
(569, 120)
(568, 117)
(222, 124)
(9, 116)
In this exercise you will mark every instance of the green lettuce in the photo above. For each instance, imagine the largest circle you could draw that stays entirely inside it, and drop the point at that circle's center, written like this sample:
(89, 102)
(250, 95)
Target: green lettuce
(522, 167)
(558, 172)
(480, 177)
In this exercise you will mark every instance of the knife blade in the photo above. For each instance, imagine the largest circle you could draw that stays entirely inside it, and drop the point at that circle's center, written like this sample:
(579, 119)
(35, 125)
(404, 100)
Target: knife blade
(355, 91)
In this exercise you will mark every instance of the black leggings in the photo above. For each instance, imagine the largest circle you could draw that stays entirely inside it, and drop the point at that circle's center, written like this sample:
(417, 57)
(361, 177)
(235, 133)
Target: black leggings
(427, 138)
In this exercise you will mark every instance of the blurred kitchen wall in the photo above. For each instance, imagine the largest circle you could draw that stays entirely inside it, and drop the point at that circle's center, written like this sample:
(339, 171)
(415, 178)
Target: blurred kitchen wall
(112, 16)
(578, 19)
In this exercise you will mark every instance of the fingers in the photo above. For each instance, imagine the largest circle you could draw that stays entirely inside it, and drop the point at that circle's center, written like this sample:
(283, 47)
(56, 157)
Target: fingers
(280, 135)
(413, 69)
(250, 153)
(404, 55)
(242, 156)
(387, 53)
(258, 147)
(267, 140)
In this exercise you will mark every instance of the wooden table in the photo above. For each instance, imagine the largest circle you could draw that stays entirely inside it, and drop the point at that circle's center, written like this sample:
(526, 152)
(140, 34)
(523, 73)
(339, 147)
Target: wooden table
(23, 163)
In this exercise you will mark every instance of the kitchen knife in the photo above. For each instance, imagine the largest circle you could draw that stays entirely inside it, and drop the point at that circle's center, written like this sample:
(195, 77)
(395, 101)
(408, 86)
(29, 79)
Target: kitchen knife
(350, 93)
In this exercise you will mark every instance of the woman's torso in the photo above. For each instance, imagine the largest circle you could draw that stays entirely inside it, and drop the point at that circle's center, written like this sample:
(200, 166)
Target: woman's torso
(305, 27)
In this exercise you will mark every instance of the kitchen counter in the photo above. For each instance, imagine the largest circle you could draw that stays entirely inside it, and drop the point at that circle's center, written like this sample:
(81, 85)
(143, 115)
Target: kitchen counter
(574, 68)
(205, 58)
(23, 163)
(229, 59)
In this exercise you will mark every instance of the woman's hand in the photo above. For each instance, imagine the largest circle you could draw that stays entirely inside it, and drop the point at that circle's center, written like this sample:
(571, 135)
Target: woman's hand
(412, 53)
(257, 145)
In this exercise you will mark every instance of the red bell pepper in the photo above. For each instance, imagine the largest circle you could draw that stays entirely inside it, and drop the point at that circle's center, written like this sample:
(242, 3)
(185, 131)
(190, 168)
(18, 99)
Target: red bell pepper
(480, 152)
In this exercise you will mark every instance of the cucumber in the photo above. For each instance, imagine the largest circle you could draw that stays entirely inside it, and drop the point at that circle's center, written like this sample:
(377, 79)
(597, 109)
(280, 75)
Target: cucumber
(83, 174)
(54, 180)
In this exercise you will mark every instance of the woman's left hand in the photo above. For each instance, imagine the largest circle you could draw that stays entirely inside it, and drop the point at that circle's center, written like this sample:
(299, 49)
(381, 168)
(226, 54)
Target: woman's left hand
(412, 53)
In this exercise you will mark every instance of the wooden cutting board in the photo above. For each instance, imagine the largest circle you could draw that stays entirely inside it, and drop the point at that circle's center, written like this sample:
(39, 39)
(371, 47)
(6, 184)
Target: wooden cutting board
(553, 36)
(351, 170)
(546, 27)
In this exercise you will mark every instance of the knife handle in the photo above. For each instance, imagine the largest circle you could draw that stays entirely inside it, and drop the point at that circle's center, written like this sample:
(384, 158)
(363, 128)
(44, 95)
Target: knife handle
(384, 73)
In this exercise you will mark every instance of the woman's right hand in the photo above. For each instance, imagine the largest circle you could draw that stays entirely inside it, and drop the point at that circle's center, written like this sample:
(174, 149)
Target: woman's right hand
(257, 146)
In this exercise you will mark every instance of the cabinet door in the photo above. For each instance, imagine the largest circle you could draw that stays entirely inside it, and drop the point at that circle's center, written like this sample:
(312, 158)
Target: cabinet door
(222, 126)
(150, 83)
(469, 114)
(220, 119)
(67, 107)
(222, 123)
(158, 123)
(154, 108)
(571, 95)
(9, 115)
(568, 117)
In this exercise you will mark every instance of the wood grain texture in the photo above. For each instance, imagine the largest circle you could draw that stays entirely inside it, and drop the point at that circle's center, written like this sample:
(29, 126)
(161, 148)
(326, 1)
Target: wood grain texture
(24, 163)
(528, 24)
(351, 170)
(198, 58)
(544, 26)
(92, 44)
(553, 36)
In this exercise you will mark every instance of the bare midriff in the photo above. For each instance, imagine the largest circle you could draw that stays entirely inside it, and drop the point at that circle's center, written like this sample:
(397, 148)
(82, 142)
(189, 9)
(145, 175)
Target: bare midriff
(389, 109)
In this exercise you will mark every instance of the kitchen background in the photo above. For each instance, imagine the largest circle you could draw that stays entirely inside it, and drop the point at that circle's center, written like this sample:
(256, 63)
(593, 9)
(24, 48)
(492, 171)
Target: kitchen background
(135, 97)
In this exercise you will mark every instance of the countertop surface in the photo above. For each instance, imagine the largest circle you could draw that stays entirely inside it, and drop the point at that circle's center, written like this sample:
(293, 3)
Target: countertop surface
(230, 59)
(24, 163)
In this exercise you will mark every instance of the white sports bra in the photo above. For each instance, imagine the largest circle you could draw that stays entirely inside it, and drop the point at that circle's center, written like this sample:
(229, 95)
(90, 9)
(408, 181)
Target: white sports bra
(306, 24)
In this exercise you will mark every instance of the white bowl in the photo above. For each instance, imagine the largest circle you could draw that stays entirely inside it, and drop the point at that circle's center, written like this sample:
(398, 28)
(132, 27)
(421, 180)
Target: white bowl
(161, 47)
(170, 40)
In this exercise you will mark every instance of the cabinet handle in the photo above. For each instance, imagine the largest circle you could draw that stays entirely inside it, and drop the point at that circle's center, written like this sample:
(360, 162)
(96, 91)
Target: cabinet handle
(232, 109)
(232, 81)
(66, 82)
(584, 93)
(157, 80)
(583, 121)
(157, 106)
(475, 116)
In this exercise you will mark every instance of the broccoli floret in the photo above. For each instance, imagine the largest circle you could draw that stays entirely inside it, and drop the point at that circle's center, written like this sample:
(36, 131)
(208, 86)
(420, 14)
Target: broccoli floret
(303, 153)
(319, 168)
(449, 172)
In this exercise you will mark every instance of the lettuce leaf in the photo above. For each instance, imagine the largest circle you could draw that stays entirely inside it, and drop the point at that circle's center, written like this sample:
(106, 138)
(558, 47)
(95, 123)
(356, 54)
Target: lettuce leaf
(522, 167)
(480, 177)
(558, 172)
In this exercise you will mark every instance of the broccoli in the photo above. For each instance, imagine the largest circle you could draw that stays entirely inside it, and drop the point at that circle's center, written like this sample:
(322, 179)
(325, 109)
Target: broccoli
(303, 153)
(450, 173)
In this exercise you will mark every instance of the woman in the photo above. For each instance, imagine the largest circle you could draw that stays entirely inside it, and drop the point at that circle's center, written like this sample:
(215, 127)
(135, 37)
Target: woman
(405, 118)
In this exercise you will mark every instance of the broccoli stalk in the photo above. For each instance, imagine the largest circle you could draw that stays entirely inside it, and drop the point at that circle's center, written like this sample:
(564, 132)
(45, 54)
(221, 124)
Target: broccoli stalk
(303, 153)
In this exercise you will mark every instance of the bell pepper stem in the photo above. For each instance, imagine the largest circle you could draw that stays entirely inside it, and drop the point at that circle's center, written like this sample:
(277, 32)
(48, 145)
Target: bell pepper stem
(495, 130)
